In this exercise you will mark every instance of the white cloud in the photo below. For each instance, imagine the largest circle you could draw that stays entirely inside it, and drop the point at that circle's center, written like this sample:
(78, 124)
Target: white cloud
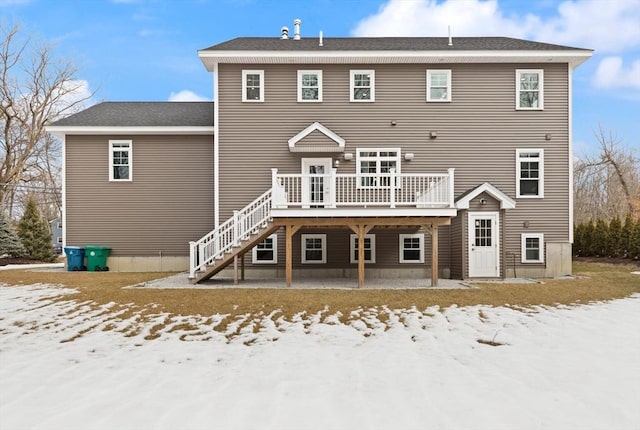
(612, 73)
(187, 96)
(77, 96)
(607, 26)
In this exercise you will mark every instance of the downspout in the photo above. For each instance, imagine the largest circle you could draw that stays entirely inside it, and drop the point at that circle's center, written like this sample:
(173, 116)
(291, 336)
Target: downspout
(216, 150)
(570, 142)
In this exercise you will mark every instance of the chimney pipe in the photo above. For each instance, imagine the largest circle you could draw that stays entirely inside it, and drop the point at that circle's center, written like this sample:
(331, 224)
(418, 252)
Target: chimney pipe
(285, 32)
(450, 40)
(320, 43)
(296, 29)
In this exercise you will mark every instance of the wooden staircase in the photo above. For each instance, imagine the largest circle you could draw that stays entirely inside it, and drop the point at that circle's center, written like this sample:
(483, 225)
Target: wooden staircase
(244, 245)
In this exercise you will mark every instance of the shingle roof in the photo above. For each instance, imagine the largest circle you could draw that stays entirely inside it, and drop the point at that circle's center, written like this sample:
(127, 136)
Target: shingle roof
(385, 44)
(142, 114)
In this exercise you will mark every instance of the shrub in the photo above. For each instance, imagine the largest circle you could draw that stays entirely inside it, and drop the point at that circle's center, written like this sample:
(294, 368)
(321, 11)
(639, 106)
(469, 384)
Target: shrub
(34, 233)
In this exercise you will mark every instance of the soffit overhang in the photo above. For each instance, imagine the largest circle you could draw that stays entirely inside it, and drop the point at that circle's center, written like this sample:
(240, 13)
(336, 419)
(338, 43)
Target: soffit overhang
(212, 58)
(61, 131)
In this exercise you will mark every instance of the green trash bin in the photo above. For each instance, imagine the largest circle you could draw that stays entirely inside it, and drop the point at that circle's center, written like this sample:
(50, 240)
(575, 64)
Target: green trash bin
(97, 258)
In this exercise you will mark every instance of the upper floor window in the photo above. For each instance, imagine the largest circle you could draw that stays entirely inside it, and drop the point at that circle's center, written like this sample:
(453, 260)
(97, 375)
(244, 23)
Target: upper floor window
(266, 252)
(309, 85)
(120, 160)
(375, 166)
(412, 248)
(529, 89)
(532, 246)
(253, 85)
(438, 85)
(369, 248)
(530, 173)
(362, 85)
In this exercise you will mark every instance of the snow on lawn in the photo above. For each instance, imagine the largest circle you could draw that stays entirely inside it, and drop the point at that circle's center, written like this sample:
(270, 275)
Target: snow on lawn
(66, 365)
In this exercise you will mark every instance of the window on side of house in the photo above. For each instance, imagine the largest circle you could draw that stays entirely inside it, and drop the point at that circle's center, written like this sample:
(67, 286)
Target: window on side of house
(253, 85)
(314, 248)
(309, 85)
(369, 248)
(529, 89)
(412, 248)
(266, 252)
(438, 85)
(120, 160)
(532, 247)
(374, 166)
(362, 85)
(529, 173)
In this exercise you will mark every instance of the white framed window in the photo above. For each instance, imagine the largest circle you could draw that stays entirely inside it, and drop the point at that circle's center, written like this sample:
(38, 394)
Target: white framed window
(374, 166)
(529, 89)
(362, 85)
(253, 85)
(532, 247)
(369, 248)
(120, 160)
(412, 248)
(266, 252)
(438, 85)
(314, 248)
(309, 85)
(529, 173)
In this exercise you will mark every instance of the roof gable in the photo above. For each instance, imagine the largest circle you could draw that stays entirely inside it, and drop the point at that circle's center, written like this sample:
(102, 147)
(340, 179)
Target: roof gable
(464, 200)
(318, 138)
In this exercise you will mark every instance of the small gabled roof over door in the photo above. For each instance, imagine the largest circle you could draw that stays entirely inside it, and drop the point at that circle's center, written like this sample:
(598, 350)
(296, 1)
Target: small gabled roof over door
(316, 138)
(506, 202)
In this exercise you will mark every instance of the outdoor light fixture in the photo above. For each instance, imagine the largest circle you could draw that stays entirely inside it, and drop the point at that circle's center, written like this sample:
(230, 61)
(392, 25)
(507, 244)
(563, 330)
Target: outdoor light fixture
(348, 156)
(433, 134)
(408, 156)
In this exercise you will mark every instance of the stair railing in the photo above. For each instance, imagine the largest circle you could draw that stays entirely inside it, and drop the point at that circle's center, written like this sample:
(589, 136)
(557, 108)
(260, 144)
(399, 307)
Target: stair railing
(229, 234)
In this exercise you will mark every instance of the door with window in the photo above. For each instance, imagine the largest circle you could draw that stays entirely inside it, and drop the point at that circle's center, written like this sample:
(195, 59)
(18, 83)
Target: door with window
(483, 244)
(315, 182)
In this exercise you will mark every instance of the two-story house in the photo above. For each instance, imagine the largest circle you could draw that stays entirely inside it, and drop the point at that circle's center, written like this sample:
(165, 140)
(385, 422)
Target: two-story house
(339, 157)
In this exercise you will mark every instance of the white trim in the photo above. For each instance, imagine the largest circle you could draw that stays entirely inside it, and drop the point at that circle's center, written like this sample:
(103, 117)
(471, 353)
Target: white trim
(303, 257)
(244, 85)
(352, 248)
(523, 254)
(540, 90)
(570, 143)
(401, 247)
(299, 85)
(506, 202)
(310, 129)
(362, 212)
(63, 175)
(129, 150)
(574, 57)
(430, 72)
(61, 130)
(540, 160)
(274, 248)
(372, 85)
(216, 153)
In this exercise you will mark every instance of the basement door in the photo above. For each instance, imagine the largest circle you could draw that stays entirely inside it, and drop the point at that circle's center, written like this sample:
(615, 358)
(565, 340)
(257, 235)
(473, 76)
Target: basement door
(484, 246)
(315, 182)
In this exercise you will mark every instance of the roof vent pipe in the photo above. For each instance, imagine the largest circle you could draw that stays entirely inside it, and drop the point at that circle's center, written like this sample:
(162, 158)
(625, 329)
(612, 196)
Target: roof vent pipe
(296, 29)
(450, 40)
(285, 32)
(320, 39)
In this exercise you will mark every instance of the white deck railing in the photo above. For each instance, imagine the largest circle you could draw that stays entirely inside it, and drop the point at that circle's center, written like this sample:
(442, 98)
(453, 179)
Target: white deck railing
(223, 239)
(418, 190)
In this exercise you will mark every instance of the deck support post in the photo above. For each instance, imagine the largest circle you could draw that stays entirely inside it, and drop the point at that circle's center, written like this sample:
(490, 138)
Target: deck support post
(235, 269)
(433, 230)
(361, 230)
(290, 230)
(242, 267)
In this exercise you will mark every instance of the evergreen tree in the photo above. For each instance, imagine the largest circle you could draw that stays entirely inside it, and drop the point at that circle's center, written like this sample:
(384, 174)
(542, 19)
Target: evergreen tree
(578, 240)
(34, 233)
(9, 241)
(627, 235)
(589, 247)
(614, 238)
(599, 238)
(634, 251)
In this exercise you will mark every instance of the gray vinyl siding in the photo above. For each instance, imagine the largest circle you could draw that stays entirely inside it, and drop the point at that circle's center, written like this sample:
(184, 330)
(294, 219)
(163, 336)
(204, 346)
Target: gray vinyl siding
(478, 132)
(168, 203)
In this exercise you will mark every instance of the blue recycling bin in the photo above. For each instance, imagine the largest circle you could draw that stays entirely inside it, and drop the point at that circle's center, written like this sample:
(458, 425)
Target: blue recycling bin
(75, 258)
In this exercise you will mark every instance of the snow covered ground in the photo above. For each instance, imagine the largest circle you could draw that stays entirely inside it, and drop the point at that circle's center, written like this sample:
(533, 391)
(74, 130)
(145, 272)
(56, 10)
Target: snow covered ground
(65, 365)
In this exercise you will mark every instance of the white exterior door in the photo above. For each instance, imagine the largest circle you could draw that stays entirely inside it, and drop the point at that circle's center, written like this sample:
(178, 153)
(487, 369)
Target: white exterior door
(484, 245)
(315, 182)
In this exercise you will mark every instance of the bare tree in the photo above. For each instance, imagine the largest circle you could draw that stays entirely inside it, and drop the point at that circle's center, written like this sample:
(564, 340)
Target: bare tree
(608, 184)
(35, 90)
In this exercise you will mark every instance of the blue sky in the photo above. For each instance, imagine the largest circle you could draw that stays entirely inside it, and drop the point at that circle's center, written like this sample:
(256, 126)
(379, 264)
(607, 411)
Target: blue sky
(147, 49)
